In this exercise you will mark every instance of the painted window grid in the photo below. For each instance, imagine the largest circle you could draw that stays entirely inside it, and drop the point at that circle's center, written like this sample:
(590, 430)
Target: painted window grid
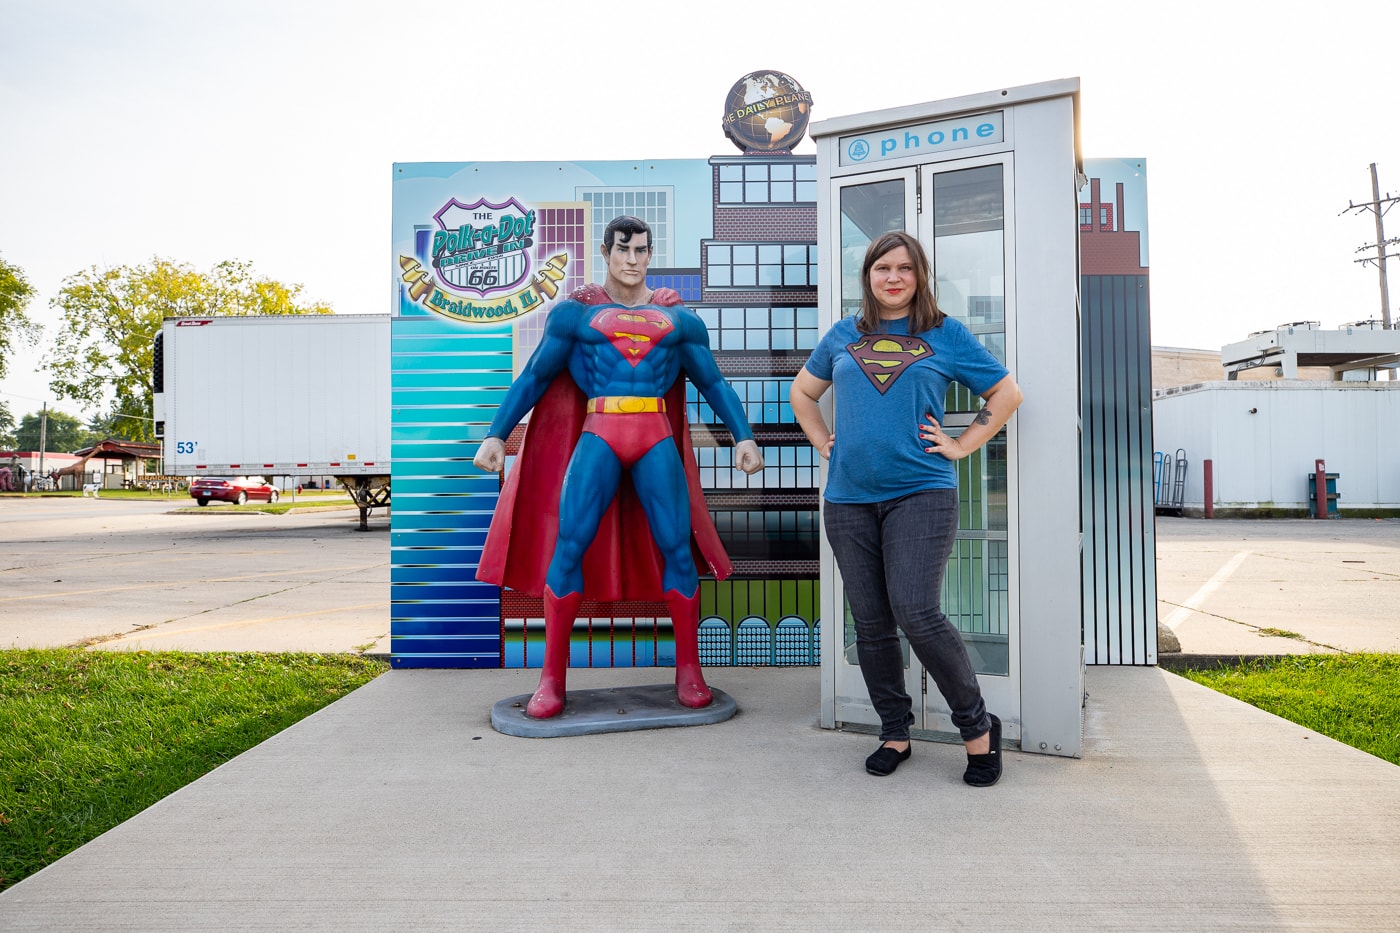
(765, 401)
(785, 468)
(735, 328)
(650, 204)
(768, 183)
(750, 265)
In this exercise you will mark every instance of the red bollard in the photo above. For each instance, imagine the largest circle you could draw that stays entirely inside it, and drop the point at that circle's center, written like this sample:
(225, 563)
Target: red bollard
(1210, 488)
(1320, 489)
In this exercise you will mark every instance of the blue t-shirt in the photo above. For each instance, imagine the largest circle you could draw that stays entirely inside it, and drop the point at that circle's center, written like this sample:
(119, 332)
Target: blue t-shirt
(885, 383)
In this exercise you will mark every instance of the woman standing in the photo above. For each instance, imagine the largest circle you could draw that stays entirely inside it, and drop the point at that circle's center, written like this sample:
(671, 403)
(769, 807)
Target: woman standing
(891, 504)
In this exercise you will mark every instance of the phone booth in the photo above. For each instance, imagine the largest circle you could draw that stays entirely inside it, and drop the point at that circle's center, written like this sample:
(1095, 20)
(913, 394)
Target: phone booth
(989, 184)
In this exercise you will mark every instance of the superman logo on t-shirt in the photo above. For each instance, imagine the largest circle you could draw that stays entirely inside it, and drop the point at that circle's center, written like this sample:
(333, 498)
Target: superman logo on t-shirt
(885, 357)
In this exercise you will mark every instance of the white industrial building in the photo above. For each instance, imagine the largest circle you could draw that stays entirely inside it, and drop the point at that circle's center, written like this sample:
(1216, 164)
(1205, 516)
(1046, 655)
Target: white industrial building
(1262, 438)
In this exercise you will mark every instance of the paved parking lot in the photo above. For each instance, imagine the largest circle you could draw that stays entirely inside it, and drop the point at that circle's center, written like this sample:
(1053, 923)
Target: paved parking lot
(1226, 587)
(128, 574)
(131, 574)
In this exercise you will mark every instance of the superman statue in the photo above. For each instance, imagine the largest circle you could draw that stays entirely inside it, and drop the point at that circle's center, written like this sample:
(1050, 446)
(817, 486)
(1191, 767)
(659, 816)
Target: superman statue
(606, 389)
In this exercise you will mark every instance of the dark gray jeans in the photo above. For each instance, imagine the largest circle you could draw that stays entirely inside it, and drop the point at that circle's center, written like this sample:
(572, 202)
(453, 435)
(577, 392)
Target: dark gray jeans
(892, 555)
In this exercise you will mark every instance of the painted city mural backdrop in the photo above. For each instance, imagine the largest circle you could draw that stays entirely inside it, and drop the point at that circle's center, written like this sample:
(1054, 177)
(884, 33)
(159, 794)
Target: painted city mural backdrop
(480, 250)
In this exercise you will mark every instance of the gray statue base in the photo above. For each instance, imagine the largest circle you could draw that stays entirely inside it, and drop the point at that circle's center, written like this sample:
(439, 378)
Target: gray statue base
(613, 709)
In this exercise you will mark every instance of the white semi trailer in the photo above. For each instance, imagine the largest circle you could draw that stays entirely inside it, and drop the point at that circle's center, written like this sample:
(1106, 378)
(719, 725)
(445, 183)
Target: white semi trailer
(294, 396)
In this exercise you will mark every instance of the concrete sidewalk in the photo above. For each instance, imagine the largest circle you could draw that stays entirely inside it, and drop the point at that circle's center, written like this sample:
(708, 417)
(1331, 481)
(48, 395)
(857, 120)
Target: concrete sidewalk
(398, 808)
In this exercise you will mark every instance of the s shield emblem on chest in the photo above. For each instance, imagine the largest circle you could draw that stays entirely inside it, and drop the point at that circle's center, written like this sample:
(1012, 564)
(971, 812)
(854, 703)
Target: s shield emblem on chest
(884, 358)
(634, 331)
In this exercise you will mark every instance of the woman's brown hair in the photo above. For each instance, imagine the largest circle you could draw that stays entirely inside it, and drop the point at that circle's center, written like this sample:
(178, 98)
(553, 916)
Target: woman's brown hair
(924, 313)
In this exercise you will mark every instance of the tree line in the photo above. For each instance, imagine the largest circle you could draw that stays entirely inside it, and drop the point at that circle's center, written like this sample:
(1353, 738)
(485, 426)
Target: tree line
(101, 356)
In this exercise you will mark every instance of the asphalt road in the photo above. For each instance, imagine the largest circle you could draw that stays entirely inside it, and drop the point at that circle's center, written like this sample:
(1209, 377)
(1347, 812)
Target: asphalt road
(127, 574)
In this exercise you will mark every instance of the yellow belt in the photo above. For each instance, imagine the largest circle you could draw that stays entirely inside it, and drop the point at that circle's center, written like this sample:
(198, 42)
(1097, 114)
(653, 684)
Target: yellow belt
(624, 405)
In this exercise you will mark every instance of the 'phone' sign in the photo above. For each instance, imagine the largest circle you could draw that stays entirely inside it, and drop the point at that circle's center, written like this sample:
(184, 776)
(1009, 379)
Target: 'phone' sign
(925, 138)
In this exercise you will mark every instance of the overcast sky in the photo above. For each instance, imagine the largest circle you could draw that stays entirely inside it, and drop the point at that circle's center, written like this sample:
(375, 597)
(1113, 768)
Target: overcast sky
(266, 131)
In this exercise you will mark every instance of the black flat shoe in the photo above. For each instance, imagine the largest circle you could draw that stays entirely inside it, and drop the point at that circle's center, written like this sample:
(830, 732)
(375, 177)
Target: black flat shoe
(886, 759)
(985, 770)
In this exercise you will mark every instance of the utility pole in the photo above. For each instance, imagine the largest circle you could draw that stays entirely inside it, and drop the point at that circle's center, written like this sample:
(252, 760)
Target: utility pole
(1378, 206)
(43, 437)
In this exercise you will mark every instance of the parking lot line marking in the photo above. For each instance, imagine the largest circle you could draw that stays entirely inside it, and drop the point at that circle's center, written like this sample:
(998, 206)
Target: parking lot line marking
(1198, 598)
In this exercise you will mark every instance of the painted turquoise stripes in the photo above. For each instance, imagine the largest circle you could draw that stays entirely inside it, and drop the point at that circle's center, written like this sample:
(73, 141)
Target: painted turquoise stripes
(447, 381)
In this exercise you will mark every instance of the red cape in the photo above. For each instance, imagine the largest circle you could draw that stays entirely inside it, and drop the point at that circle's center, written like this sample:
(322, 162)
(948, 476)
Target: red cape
(623, 562)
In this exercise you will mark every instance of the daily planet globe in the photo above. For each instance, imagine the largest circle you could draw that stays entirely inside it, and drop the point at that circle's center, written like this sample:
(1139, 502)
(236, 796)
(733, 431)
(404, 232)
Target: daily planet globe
(766, 111)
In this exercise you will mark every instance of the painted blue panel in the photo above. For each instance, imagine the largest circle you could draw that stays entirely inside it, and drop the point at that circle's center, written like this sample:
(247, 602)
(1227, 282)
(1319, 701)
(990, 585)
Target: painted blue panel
(514, 655)
(462, 588)
(457, 411)
(425, 380)
(455, 394)
(414, 573)
(620, 652)
(436, 437)
(433, 326)
(471, 500)
(455, 370)
(444, 661)
(451, 444)
(484, 484)
(445, 507)
(475, 610)
(621, 655)
(450, 335)
(419, 540)
(453, 354)
(451, 365)
(469, 531)
(441, 575)
(458, 489)
(455, 521)
(436, 629)
(435, 388)
(435, 565)
(480, 645)
(451, 501)
(456, 466)
(465, 520)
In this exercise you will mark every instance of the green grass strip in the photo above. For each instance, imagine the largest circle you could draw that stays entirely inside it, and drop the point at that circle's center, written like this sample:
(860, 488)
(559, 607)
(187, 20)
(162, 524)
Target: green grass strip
(1353, 698)
(89, 739)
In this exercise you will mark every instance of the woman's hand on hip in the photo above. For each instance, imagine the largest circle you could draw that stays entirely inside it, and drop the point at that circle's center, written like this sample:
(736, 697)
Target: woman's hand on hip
(938, 442)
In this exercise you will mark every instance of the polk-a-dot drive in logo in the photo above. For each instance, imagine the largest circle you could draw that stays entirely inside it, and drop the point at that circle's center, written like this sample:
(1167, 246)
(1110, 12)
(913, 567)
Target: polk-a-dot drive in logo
(481, 263)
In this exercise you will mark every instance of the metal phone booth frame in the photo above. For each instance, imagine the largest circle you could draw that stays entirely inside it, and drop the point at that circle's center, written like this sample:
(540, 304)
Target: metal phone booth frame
(989, 183)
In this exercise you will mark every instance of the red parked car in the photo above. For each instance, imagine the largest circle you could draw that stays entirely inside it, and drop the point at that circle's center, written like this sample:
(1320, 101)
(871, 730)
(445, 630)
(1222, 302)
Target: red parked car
(237, 490)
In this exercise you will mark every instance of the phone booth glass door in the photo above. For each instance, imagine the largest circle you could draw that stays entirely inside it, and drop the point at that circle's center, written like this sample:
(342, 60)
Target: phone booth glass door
(960, 212)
